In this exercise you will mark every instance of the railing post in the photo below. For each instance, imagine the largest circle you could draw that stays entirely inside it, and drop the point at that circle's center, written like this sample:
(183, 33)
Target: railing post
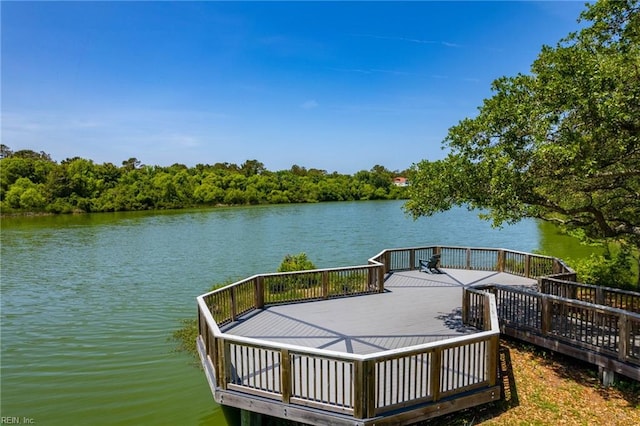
(493, 342)
(527, 266)
(369, 408)
(468, 258)
(233, 302)
(486, 311)
(380, 279)
(214, 355)
(325, 284)
(259, 292)
(465, 305)
(501, 257)
(224, 363)
(599, 296)
(436, 365)
(412, 259)
(542, 285)
(493, 353)
(624, 337)
(545, 317)
(359, 390)
(285, 375)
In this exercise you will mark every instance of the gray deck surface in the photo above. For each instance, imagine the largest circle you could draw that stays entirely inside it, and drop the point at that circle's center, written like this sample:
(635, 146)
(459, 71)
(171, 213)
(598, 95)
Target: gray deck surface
(416, 308)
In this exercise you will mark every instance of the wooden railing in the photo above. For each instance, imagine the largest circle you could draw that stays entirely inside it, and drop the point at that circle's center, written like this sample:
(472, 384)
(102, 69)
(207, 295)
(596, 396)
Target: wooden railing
(228, 303)
(604, 330)
(358, 385)
(481, 259)
(606, 296)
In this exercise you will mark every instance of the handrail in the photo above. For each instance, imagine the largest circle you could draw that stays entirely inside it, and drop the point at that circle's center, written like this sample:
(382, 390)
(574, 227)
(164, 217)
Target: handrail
(590, 326)
(361, 386)
(242, 377)
(606, 296)
(477, 258)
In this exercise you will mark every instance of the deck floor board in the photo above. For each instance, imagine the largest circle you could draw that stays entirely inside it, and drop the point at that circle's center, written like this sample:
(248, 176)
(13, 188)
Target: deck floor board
(416, 308)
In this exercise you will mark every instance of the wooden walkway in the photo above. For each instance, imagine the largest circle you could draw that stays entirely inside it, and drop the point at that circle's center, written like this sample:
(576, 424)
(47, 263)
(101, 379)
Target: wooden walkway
(416, 308)
(297, 346)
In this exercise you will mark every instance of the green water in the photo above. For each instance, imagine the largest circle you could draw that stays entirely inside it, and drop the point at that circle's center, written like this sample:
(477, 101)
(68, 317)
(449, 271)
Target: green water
(89, 302)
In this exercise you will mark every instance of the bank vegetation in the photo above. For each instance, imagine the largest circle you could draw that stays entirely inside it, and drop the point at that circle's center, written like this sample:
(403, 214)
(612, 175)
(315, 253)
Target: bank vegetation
(31, 182)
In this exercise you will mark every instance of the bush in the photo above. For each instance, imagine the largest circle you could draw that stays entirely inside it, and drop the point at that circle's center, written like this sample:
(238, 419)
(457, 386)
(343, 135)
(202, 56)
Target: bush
(298, 262)
(292, 263)
(608, 269)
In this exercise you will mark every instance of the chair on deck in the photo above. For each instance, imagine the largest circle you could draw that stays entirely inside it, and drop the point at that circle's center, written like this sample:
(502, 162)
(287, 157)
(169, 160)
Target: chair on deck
(431, 265)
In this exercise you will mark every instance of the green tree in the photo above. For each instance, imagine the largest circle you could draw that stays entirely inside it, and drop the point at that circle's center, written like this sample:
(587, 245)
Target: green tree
(561, 144)
(5, 151)
(25, 194)
(25, 163)
(131, 164)
(252, 168)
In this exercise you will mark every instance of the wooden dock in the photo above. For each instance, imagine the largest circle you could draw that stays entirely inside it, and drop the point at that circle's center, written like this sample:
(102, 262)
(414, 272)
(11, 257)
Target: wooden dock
(387, 344)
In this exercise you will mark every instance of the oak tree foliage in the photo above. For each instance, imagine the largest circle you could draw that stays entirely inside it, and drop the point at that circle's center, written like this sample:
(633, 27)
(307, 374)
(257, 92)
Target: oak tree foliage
(560, 144)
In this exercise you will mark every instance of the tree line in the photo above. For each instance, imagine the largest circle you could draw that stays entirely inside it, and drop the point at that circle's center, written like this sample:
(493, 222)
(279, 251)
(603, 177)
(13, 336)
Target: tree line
(32, 182)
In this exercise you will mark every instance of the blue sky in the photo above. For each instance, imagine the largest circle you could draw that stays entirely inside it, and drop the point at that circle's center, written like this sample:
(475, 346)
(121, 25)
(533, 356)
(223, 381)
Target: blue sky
(339, 86)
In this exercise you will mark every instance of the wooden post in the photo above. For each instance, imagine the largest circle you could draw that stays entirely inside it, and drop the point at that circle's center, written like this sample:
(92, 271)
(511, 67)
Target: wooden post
(493, 353)
(436, 365)
(232, 301)
(224, 363)
(468, 258)
(527, 266)
(213, 352)
(599, 296)
(359, 394)
(285, 375)
(250, 418)
(380, 279)
(259, 292)
(412, 259)
(543, 286)
(624, 338)
(325, 284)
(465, 305)
(501, 257)
(545, 318)
(486, 311)
(368, 388)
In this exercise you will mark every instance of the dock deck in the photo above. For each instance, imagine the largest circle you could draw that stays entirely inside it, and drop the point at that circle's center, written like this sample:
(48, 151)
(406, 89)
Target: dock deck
(416, 308)
(386, 344)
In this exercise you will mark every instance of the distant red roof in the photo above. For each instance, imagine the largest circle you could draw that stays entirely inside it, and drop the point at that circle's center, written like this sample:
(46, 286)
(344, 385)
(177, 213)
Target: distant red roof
(400, 181)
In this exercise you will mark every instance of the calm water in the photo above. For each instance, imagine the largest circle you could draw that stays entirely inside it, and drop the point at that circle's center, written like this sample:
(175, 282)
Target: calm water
(89, 302)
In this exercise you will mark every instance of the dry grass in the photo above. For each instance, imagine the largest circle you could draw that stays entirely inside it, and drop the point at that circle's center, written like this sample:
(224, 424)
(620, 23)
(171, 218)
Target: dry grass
(544, 388)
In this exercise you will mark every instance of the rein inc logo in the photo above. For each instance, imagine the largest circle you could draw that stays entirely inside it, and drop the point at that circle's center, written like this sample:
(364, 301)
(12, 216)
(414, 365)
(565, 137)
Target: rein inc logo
(6, 420)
